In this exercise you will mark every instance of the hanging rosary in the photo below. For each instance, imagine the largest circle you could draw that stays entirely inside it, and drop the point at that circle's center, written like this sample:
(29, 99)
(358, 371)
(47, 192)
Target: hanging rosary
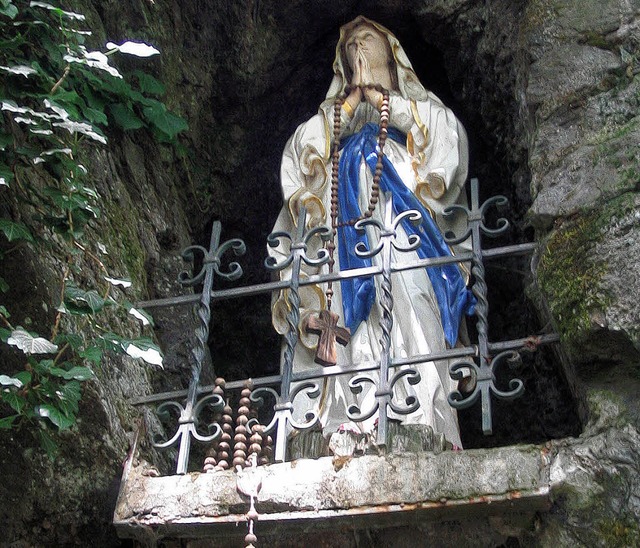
(326, 323)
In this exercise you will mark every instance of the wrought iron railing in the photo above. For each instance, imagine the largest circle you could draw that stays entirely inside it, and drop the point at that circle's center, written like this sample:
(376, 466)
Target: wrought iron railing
(484, 357)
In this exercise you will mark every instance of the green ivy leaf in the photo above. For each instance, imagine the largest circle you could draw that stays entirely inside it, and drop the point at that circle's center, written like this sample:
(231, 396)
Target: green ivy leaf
(49, 446)
(16, 401)
(70, 397)
(111, 341)
(72, 339)
(148, 84)
(143, 348)
(55, 415)
(77, 373)
(95, 116)
(4, 286)
(66, 199)
(6, 175)
(15, 231)
(24, 377)
(165, 121)
(29, 151)
(125, 117)
(8, 9)
(92, 354)
(6, 139)
(6, 423)
(79, 301)
(43, 366)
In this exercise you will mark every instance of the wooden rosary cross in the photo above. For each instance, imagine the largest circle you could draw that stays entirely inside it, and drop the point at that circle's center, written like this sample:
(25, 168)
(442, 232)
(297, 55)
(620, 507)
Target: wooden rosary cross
(325, 324)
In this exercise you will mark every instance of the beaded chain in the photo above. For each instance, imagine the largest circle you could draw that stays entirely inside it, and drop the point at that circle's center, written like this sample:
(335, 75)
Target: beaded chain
(335, 160)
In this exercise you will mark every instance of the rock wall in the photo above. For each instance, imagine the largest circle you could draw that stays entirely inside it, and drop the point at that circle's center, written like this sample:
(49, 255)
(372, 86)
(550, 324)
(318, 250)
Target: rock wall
(549, 92)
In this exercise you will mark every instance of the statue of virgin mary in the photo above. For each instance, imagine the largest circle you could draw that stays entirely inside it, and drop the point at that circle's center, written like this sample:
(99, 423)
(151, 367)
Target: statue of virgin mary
(425, 168)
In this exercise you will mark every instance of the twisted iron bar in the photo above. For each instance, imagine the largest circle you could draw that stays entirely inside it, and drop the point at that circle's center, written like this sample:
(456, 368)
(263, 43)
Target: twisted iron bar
(384, 393)
(189, 413)
(307, 382)
(283, 417)
(485, 371)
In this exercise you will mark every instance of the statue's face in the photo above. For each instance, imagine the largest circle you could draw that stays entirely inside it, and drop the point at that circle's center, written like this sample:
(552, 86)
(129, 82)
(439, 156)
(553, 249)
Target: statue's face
(365, 41)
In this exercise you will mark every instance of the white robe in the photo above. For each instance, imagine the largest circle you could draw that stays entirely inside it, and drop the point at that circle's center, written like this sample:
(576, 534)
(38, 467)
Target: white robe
(436, 145)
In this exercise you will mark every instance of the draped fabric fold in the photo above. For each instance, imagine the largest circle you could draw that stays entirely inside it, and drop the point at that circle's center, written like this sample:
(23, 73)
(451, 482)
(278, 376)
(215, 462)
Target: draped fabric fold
(358, 294)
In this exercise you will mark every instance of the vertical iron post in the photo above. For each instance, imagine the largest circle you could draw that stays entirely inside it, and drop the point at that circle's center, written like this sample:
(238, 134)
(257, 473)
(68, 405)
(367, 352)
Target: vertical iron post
(384, 393)
(485, 371)
(283, 416)
(190, 412)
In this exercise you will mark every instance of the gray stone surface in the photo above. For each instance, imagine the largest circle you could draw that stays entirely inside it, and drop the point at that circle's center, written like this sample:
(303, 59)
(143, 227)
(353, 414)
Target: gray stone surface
(550, 94)
(363, 489)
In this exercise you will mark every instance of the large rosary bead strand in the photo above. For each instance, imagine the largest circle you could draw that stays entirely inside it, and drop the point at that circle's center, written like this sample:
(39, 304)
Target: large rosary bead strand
(263, 458)
(224, 447)
(210, 461)
(267, 449)
(256, 442)
(240, 439)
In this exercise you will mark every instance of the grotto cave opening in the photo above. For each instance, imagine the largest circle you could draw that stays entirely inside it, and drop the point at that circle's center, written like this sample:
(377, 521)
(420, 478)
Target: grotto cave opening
(480, 85)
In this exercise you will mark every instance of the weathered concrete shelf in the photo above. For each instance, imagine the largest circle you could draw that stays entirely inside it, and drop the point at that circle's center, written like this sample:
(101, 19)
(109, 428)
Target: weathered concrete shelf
(364, 492)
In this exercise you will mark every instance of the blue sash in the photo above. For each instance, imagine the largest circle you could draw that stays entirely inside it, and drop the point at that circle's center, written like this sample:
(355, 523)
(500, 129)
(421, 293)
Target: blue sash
(358, 295)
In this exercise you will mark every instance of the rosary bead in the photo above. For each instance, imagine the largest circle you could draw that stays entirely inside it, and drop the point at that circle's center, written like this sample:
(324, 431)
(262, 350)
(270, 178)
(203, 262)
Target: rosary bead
(253, 515)
(255, 438)
(255, 448)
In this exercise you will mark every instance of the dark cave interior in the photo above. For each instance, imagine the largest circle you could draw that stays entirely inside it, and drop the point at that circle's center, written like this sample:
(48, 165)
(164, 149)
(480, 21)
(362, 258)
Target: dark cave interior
(243, 343)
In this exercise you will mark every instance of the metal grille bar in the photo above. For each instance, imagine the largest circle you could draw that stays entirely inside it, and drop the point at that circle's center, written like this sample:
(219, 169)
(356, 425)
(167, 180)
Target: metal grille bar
(484, 358)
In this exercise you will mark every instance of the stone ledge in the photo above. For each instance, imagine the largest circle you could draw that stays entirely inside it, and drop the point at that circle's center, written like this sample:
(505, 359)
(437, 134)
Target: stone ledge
(368, 491)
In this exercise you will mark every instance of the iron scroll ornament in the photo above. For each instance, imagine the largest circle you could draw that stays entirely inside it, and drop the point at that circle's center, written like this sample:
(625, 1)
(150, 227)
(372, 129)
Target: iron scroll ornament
(189, 420)
(215, 259)
(485, 385)
(190, 412)
(283, 419)
(486, 367)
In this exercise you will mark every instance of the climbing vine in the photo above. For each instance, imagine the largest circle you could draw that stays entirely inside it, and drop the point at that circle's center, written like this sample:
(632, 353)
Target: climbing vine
(57, 98)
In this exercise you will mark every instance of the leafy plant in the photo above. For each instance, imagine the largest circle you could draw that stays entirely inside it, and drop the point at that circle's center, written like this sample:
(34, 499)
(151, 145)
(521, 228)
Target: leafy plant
(57, 97)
